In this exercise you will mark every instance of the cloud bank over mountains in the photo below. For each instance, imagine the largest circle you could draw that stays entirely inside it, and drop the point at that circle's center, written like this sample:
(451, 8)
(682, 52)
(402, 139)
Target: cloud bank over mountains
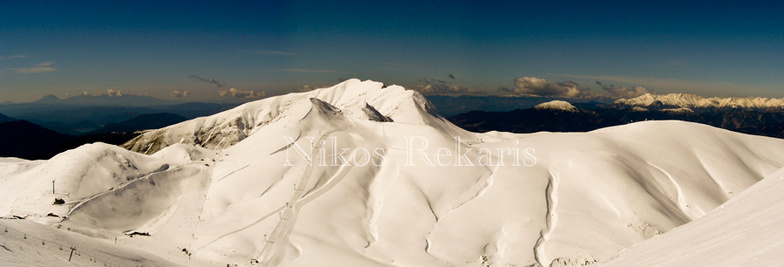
(441, 87)
(236, 93)
(624, 92)
(532, 87)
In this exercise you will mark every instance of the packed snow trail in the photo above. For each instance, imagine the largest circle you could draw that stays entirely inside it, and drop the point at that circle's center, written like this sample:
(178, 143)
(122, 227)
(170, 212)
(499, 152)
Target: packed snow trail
(145, 178)
(274, 250)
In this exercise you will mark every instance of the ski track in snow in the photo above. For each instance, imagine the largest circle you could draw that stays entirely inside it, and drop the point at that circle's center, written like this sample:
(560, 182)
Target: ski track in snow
(118, 187)
(299, 135)
(234, 171)
(273, 251)
(551, 219)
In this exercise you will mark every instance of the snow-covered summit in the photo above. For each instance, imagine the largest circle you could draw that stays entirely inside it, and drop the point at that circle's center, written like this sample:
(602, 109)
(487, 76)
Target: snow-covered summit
(695, 101)
(364, 100)
(557, 105)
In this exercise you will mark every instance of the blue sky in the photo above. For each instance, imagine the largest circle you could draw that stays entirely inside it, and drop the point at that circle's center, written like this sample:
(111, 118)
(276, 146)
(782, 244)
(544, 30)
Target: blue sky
(731, 48)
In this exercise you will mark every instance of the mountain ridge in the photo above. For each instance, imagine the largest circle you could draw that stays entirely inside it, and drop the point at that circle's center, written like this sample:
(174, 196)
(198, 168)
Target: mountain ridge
(25, 139)
(695, 101)
(104, 100)
(412, 190)
(766, 122)
(4, 118)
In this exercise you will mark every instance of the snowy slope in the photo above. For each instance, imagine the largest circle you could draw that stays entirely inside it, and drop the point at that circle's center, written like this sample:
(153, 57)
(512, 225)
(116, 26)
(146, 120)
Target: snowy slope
(746, 231)
(695, 101)
(492, 198)
(25, 243)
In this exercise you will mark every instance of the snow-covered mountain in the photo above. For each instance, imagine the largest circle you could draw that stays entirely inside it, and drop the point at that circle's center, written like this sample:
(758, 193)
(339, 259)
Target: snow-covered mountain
(557, 105)
(362, 174)
(695, 101)
(366, 100)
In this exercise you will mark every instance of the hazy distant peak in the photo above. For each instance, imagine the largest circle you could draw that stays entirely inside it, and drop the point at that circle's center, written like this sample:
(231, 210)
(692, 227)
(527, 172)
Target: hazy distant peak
(48, 99)
(115, 100)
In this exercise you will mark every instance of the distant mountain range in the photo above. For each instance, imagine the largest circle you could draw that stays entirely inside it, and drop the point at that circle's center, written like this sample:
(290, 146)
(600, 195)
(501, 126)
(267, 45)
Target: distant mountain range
(141, 122)
(125, 100)
(453, 105)
(24, 139)
(695, 101)
(4, 118)
(86, 119)
(753, 119)
(81, 114)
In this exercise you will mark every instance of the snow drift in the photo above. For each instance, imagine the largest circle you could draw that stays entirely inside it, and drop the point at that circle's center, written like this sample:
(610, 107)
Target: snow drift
(363, 174)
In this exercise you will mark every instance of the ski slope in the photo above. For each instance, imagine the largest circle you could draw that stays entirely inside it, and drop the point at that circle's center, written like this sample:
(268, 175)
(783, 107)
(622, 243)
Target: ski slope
(240, 187)
(745, 231)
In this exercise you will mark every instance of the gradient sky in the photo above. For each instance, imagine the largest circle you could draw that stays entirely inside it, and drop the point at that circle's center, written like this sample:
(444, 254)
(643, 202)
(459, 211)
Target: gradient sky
(732, 48)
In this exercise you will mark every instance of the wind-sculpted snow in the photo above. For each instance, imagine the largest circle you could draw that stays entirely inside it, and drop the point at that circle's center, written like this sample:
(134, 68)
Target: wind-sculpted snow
(322, 179)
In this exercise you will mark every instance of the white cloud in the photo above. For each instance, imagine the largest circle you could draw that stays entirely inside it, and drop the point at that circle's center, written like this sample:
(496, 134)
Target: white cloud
(178, 93)
(532, 86)
(624, 92)
(441, 87)
(708, 88)
(234, 92)
(112, 92)
(38, 68)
